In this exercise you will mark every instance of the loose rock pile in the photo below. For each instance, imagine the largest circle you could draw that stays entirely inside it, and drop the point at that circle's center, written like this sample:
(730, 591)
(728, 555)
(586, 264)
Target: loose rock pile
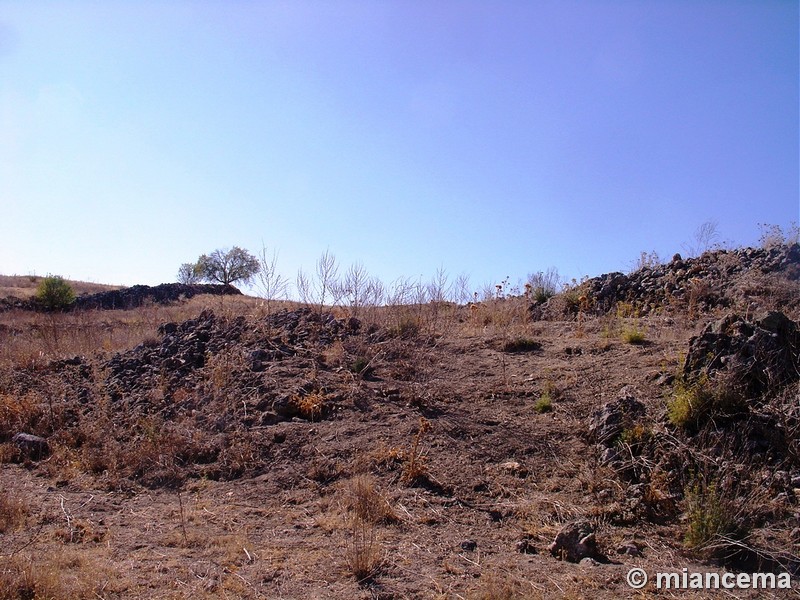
(761, 355)
(706, 282)
(138, 295)
(128, 298)
(186, 347)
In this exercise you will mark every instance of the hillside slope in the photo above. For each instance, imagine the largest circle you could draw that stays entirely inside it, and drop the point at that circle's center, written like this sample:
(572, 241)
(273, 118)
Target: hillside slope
(418, 451)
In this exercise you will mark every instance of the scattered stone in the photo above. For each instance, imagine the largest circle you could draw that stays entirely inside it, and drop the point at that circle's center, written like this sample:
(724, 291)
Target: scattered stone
(514, 468)
(630, 548)
(588, 562)
(469, 545)
(31, 446)
(608, 423)
(575, 542)
(526, 546)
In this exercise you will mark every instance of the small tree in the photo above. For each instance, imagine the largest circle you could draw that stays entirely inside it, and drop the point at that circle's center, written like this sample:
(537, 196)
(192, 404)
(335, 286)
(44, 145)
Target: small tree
(54, 293)
(227, 266)
(189, 274)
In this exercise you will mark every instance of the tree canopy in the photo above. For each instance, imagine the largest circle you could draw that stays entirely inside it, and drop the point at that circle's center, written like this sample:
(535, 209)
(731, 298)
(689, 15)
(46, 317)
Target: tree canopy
(226, 266)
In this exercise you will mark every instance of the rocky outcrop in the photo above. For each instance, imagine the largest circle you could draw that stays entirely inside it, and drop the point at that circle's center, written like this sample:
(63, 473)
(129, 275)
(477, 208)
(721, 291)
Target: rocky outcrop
(759, 355)
(139, 295)
(706, 282)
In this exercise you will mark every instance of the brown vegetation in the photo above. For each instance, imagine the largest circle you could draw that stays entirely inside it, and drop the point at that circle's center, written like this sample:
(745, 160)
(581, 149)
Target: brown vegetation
(223, 447)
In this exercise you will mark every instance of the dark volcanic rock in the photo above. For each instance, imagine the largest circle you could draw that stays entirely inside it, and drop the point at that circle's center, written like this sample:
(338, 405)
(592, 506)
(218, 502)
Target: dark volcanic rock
(608, 423)
(760, 355)
(703, 282)
(138, 295)
(575, 542)
(31, 446)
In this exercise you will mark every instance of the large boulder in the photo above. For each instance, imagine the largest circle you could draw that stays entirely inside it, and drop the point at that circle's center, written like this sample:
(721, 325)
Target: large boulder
(759, 355)
(31, 446)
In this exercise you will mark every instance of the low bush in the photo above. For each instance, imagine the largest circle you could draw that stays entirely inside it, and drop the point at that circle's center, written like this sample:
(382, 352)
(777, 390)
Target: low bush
(633, 335)
(54, 293)
(694, 403)
(544, 403)
(712, 518)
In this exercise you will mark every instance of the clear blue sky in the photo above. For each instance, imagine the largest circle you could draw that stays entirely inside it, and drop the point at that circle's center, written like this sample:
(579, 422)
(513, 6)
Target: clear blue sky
(492, 138)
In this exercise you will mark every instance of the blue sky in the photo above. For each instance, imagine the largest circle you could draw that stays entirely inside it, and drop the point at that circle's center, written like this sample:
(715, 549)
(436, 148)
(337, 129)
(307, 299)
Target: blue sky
(490, 138)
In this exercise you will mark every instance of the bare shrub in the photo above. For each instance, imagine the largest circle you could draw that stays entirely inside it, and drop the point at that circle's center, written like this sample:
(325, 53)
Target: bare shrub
(542, 285)
(367, 503)
(364, 554)
(271, 285)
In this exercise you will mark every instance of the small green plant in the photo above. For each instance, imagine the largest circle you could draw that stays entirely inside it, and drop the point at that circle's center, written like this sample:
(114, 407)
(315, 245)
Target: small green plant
(710, 515)
(360, 366)
(544, 403)
(54, 293)
(634, 436)
(696, 402)
(633, 334)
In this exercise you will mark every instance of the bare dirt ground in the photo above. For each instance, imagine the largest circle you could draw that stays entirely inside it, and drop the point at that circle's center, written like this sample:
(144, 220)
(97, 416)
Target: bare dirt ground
(427, 456)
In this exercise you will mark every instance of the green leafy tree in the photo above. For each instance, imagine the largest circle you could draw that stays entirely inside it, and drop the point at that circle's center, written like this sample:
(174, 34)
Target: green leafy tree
(54, 293)
(189, 273)
(227, 266)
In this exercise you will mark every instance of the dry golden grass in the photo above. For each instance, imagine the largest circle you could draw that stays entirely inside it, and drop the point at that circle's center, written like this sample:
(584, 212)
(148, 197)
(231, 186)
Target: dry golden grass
(24, 286)
(29, 339)
(13, 512)
(367, 503)
(66, 573)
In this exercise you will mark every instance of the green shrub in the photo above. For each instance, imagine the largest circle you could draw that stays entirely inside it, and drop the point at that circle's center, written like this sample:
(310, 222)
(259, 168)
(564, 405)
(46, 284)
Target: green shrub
(544, 403)
(633, 335)
(54, 293)
(634, 436)
(697, 402)
(710, 515)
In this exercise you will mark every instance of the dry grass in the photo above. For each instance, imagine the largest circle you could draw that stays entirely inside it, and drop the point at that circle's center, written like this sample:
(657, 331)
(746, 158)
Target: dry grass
(24, 286)
(13, 512)
(65, 573)
(363, 552)
(32, 339)
(367, 503)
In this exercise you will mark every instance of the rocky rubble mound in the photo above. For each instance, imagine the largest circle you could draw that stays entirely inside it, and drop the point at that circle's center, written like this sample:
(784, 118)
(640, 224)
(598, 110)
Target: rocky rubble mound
(714, 279)
(128, 298)
(188, 346)
(138, 295)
